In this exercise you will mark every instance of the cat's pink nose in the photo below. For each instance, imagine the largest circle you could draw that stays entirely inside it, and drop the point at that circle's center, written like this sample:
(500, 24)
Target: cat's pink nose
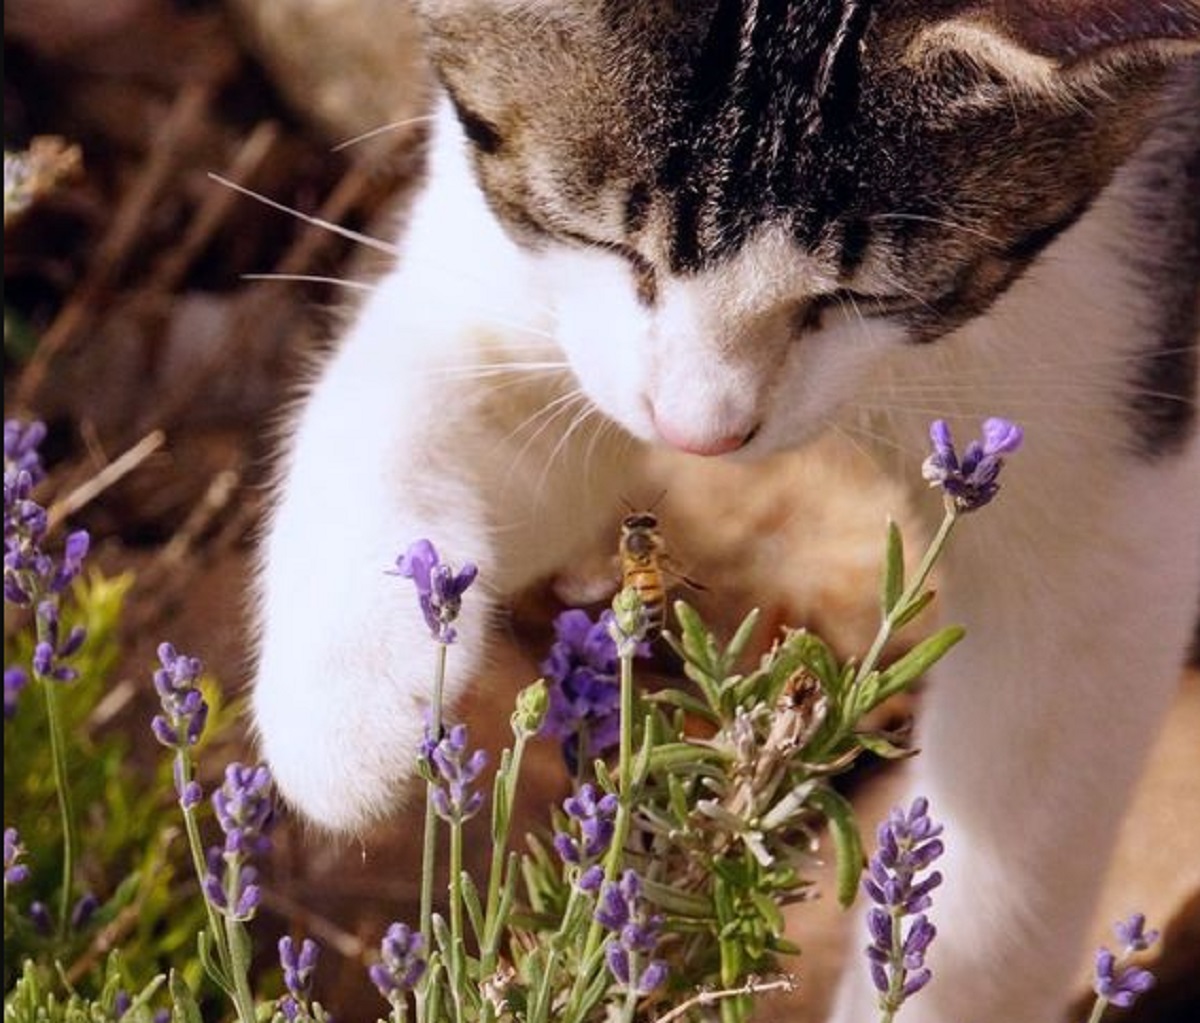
(699, 443)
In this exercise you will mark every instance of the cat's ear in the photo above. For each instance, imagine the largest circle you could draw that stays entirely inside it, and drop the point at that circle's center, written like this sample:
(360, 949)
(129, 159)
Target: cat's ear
(1032, 39)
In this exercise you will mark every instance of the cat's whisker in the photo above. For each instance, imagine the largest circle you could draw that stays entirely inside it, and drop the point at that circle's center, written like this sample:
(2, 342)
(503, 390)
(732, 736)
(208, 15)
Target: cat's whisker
(341, 282)
(1089, 431)
(328, 225)
(383, 129)
(585, 412)
(864, 327)
(866, 443)
(545, 414)
(1034, 392)
(938, 222)
(875, 440)
(488, 369)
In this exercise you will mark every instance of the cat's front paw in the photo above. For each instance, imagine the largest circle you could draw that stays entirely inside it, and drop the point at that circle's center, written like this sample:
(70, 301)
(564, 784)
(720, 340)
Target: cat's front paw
(341, 743)
(345, 686)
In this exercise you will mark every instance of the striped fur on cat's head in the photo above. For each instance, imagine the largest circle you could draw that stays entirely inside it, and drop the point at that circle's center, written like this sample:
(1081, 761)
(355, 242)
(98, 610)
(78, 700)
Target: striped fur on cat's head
(710, 186)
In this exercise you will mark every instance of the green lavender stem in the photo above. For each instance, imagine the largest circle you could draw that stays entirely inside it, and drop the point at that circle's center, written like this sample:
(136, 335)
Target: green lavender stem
(1098, 1008)
(429, 853)
(911, 593)
(493, 926)
(616, 852)
(457, 950)
(429, 848)
(234, 982)
(541, 1004)
(62, 785)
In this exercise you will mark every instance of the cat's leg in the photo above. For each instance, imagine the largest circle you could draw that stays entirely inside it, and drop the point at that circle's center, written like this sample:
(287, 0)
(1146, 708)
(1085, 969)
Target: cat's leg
(1078, 590)
(422, 425)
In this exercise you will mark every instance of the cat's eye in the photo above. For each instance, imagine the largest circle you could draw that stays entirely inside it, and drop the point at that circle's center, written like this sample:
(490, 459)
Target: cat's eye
(645, 277)
(856, 303)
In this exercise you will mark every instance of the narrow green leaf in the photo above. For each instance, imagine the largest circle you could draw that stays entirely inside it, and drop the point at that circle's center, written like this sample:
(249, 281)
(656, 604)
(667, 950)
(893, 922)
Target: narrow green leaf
(737, 645)
(470, 897)
(204, 952)
(508, 894)
(500, 808)
(240, 948)
(441, 932)
(699, 652)
(685, 757)
(183, 1003)
(893, 568)
(685, 701)
(731, 959)
(679, 903)
(914, 608)
(769, 910)
(902, 673)
(882, 746)
(847, 844)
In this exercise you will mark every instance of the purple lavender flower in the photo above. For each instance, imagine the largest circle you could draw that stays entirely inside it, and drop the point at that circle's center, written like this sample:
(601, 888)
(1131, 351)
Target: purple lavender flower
(244, 810)
(15, 872)
(402, 964)
(83, 911)
(585, 695)
(1117, 981)
(39, 916)
(21, 444)
(596, 822)
(15, 680)
(32, 578)
(52, 650)
(439, 588)
(453, 775)
(621, 909)
(908, 845)
(298, 967)
(122, 1002)
(185, 711)
(972, 482)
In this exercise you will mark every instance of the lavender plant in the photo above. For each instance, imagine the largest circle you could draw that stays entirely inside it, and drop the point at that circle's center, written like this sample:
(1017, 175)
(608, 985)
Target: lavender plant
(655, 894)
(901, 932)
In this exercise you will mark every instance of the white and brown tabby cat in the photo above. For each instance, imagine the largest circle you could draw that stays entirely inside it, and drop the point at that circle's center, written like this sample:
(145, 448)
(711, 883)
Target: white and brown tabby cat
(723, 226)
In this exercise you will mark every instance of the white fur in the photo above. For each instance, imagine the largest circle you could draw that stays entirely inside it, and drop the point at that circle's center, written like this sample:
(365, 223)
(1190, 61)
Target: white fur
(1078, 586)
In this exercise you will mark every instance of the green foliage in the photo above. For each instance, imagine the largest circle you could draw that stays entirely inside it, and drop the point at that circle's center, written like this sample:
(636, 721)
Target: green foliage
(722, 796)
(134, 857)
(34, 998)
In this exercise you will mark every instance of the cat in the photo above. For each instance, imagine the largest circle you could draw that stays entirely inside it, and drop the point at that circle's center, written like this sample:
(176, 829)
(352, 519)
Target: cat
(725, 226)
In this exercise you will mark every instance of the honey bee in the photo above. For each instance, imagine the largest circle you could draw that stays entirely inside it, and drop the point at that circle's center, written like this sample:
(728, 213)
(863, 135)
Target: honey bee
(645, 566)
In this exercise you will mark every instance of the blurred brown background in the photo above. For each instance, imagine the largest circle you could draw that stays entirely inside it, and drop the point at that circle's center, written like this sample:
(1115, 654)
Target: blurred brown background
(137, 327)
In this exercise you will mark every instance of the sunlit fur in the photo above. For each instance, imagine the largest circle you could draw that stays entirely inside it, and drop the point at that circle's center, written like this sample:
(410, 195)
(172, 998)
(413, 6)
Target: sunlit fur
(556, 308)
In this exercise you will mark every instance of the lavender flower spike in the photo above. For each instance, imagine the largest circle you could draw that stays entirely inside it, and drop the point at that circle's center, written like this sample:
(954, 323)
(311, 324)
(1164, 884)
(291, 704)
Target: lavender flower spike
(1117, 981)
(185, 710)
(453, 775)
(14, 870)
(439, 588)
(15, 680)
(298, 966)
(596, 819)
(402, 962)
(622, 910)
(908, 845)
(584, 712)
(244, 809)
(971, 483)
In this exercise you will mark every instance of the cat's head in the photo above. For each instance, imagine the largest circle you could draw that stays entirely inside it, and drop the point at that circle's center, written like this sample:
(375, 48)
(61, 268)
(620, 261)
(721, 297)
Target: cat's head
(736, 204)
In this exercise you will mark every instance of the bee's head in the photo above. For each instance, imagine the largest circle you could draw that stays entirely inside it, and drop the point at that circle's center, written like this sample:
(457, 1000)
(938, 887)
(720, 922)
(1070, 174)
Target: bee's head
(639, 521)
